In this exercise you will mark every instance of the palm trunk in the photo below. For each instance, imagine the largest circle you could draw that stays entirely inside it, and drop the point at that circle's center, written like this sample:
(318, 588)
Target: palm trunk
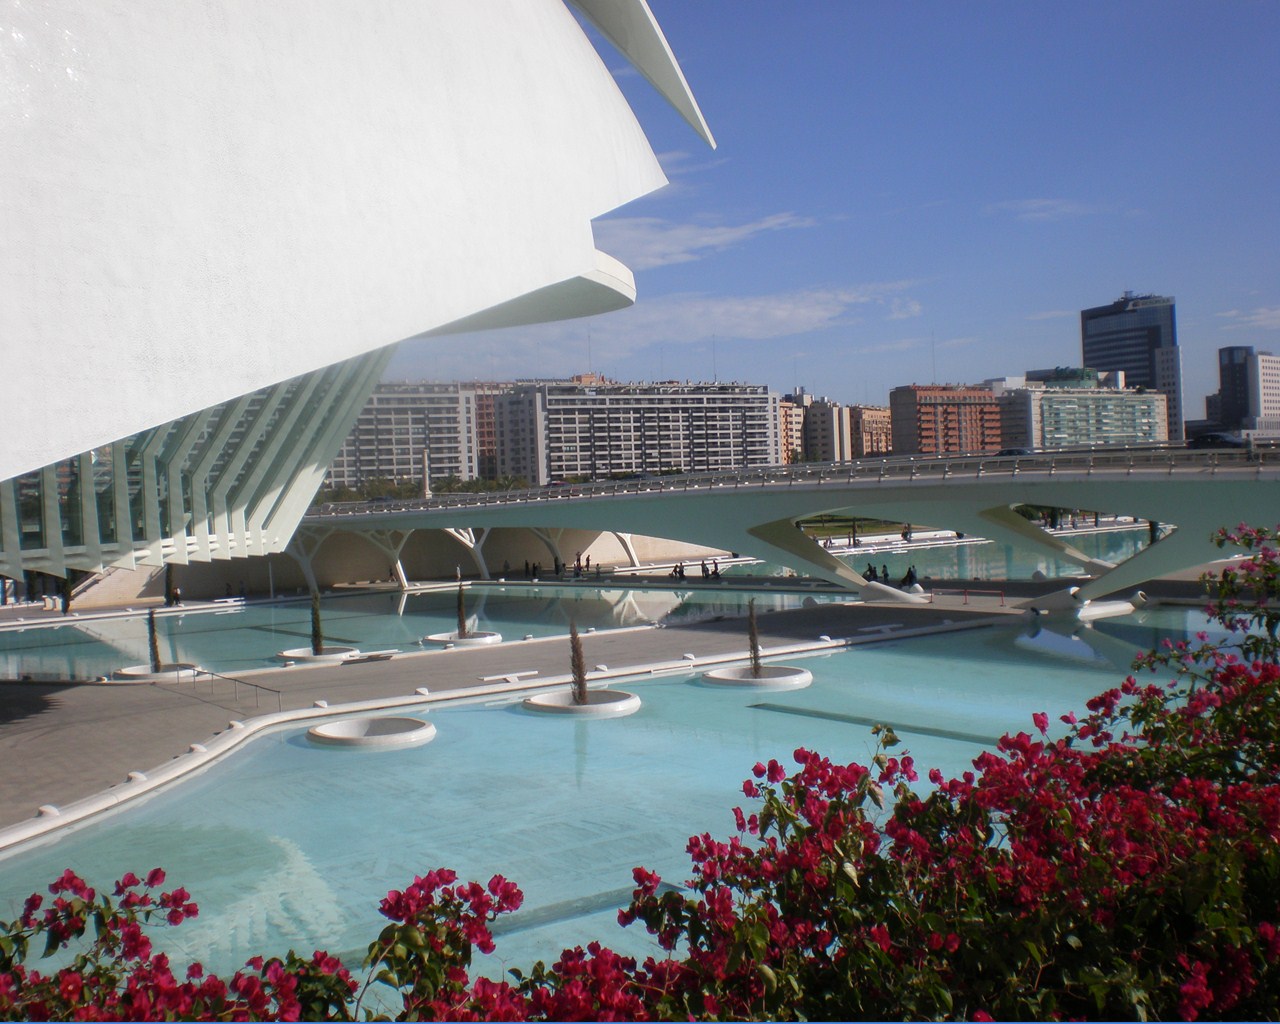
(753, 636)
(153, 641)
(578, 665)
(317, 634)
(462, 613)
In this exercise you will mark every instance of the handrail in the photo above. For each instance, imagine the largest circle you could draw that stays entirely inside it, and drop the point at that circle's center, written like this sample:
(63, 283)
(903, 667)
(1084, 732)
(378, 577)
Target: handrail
(966, 591)
(257, 688)
(909, 467)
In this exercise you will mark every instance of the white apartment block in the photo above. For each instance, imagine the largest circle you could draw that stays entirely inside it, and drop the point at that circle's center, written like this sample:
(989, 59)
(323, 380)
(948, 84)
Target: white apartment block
(418, 433)
(1039, 416)
(1264, 394)
(551, 432)
(827, 433)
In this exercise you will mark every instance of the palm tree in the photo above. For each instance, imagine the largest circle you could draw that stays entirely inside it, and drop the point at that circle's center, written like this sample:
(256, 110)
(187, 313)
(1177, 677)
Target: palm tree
(317, 634)
(578, 665)
(753, 636)
(462, 613)
(153, 641)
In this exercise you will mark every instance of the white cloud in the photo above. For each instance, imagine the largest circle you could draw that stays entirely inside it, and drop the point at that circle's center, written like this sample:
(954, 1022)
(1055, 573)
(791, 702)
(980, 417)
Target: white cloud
(673, 320)
(687, 318)
(1265, 318)
(645, 242)
(904, 309)
(1041, 210)
(1053, 314)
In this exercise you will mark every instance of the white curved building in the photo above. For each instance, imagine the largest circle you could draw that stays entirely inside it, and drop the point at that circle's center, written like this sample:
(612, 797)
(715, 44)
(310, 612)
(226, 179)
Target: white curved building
(217, 217)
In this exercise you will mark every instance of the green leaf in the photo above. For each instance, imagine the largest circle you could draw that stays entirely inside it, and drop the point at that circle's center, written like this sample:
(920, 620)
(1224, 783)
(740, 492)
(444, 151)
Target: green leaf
(770, 979)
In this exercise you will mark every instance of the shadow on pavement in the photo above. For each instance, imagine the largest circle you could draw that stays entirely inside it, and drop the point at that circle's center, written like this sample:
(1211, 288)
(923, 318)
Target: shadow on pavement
(20, 701)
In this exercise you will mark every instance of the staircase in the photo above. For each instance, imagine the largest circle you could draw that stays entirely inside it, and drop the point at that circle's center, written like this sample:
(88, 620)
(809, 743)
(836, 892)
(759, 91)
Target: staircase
(119, 586)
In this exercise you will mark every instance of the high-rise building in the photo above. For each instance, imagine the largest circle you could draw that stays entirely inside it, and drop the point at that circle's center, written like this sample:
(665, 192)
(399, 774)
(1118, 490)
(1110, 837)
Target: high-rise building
(557, 431)
(1137, 334)
(1248, 397)
(791, 411)
(840, 433)
(826, 432)
(943, 418)
(871, 430)
(410, 433)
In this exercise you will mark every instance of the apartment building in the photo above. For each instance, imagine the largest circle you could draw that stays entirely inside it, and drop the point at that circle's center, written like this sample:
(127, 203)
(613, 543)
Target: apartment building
(593, 429)
(936, 419)
(416, 432)
(1248, 397)
(1076, 408)
(870, 431)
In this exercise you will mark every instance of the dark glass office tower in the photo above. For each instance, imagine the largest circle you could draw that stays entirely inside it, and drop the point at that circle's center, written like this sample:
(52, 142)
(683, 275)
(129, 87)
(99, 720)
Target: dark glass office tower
(1233, 386)
(1137, 334)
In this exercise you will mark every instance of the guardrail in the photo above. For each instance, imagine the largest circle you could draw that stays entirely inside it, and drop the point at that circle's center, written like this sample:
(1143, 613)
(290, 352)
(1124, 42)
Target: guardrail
(214, 677)
(966, 592)
(896, 469)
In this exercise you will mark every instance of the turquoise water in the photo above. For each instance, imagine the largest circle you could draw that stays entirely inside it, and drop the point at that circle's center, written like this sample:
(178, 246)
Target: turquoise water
(235, 642)
(976, 560)
(239, 641)
(289, 844)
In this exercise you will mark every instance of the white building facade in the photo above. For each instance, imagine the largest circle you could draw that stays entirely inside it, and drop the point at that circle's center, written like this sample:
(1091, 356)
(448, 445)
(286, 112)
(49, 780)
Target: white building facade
(220, 217)
(552, 432)
(1070, 412)
(410, 433)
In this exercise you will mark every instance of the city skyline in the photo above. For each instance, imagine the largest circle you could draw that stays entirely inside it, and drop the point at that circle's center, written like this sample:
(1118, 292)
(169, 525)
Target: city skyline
(911, 195)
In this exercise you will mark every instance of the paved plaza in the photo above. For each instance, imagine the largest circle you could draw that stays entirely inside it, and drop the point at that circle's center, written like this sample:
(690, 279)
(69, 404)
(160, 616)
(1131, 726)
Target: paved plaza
(62, 742)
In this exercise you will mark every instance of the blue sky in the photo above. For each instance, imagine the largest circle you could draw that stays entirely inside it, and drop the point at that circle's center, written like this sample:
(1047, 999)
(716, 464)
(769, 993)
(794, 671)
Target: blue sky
(910, 192)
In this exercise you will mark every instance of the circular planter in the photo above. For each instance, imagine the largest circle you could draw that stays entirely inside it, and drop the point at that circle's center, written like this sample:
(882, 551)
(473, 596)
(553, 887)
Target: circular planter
(175, 672)
(475, 638)
(600, 703)
(373, 732)
(772, 677)
(330, 652)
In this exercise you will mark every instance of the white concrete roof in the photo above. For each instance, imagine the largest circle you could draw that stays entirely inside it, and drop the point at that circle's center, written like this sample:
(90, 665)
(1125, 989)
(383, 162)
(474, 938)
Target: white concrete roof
(197, 201)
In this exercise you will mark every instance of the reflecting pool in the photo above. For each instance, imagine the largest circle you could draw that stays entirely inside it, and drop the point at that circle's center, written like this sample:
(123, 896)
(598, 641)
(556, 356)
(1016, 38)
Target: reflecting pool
(290, 844)
(976, 559)
(234, 642)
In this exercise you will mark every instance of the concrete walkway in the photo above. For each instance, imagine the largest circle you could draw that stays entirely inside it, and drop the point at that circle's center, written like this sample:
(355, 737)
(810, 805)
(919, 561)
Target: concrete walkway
(65, 742)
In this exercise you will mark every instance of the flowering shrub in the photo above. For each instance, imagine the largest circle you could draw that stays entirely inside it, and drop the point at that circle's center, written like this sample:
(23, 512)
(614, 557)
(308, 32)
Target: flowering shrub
(1129, 869)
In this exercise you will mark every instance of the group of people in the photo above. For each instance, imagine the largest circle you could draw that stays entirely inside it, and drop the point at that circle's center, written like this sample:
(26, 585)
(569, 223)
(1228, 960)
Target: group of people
(882, 576)
(711, 572)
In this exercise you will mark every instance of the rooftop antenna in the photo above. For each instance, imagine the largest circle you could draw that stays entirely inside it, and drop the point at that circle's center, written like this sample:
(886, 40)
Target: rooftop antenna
(933, 353)
(715, 377)
(588, 350)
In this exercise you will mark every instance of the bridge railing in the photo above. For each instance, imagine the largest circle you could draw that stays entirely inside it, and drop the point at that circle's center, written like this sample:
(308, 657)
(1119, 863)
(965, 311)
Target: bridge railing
(888, 469)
